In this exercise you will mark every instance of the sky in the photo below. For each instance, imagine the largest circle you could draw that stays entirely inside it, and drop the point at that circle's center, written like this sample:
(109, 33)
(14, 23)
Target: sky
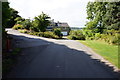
(71, 11)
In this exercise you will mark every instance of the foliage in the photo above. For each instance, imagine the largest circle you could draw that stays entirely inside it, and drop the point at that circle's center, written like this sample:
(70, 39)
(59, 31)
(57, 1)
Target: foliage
(5, 19)
(23, 31)
(18, 26)
(103, 15)
(57, 31)
(8, 60)
(13, 16)
(27, 24)
(50, 35)
(41, 22)
(76, 35)
(19, 20)
(104, 22)
(5, 14)
(45, 34)
(97, 36)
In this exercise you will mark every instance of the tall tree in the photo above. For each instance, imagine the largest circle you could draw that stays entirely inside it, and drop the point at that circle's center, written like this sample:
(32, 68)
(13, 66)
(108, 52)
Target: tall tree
(5, 19)
(5, 14)
(103, 15)
(13, 16)
(41, 22)
(112, 16)
(96, 12)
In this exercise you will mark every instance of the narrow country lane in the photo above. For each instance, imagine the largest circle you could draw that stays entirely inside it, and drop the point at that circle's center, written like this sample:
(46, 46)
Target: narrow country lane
(50, 58)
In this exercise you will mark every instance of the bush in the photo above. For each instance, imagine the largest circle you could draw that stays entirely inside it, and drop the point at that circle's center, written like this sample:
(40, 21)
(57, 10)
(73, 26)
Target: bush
(115, 39)
(88, 33)
(111, 39)
(72, 37)
(97, 36)
(57, 31)
(50, 35)
(23, 31)
(45, 34)
(17, 26)
(41, 34)
(76, 35)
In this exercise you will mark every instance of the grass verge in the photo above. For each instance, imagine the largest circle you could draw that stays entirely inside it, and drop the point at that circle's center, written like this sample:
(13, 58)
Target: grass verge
(109, 52)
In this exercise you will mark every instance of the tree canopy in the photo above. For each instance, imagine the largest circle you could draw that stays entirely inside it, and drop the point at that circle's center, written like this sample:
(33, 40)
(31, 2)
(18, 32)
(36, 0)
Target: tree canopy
(41, 22)
(103, 15)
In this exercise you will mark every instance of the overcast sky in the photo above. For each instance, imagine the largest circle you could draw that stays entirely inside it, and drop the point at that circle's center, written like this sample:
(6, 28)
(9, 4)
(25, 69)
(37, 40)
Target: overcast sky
(71, 11)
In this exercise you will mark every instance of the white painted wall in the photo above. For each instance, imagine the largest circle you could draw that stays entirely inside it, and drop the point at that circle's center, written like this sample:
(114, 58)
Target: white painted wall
(64, 33)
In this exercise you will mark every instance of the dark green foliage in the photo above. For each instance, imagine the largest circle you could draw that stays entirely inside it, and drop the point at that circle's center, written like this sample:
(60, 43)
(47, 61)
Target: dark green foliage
(57, 31)
(13, 16)
(5, 19)
(5, 14)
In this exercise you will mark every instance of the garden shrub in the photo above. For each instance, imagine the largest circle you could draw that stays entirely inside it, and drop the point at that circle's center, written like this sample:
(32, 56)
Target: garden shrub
(116, 39)
(76, 35)
(17, 26)
(72, 37)
(45, 34)
(41, 34)
(57, 31)
(23, 31)
(50, 35)
(97, 36)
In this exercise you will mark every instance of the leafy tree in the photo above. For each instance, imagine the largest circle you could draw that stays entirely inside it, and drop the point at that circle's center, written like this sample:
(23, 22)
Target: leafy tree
(13, 16)
(103, 15)
(41, 22)
(96, 12)
(5, 19)
(19, 20)
(5, 14)
(27, 24)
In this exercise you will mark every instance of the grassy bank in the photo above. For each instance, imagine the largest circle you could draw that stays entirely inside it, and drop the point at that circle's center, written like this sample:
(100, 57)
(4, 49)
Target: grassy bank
(109, 52)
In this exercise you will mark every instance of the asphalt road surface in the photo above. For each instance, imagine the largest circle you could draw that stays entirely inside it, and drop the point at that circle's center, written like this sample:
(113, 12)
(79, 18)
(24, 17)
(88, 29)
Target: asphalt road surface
(50, 58)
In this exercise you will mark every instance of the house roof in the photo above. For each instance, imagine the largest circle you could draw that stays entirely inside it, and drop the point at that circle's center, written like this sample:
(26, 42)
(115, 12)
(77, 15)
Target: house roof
(63, 24)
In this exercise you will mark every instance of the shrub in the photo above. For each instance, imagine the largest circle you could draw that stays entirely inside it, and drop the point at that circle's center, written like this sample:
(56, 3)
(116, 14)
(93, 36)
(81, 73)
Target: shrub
(72, 37)
(50, 35)
(97, 36)
(76, 35)
(31, 33)
(89, 38)
(115, 39)
(17, 26)
(41, 34)
(23, 31)
(57, 31)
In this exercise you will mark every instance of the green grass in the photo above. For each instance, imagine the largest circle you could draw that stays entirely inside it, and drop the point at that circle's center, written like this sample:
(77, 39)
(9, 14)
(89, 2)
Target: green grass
(109, 52)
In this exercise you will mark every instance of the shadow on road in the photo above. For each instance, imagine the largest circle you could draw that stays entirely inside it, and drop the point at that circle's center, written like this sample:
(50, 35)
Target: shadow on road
(44, 59)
